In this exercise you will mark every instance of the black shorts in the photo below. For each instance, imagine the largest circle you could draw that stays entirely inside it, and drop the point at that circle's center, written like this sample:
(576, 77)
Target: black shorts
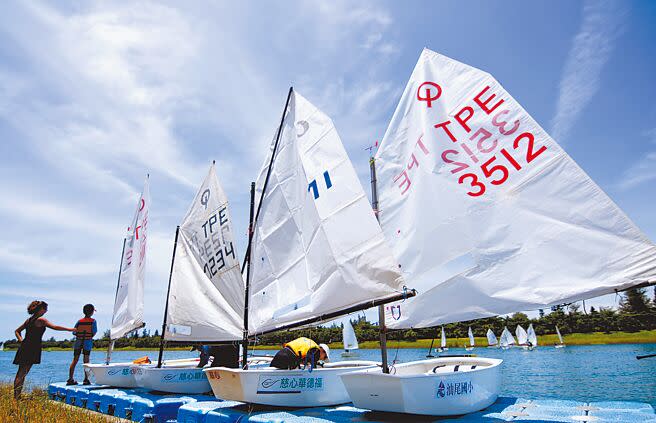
(285, 359)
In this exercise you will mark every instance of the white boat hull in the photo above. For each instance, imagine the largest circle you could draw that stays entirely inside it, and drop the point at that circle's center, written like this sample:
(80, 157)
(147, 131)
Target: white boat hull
(415, 389)
(286, 388)
(185, 379)
(560, 346)
(120, 375)
(350, 354)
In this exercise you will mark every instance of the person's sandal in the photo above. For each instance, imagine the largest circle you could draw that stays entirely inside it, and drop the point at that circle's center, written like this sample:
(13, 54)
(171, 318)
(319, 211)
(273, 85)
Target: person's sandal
(70, 382)
(86, 382)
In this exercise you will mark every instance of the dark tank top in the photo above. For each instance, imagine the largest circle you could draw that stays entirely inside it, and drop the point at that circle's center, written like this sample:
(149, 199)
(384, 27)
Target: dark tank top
(29, 351)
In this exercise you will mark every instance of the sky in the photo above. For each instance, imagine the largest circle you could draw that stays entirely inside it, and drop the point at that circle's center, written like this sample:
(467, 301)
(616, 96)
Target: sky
(95, 95)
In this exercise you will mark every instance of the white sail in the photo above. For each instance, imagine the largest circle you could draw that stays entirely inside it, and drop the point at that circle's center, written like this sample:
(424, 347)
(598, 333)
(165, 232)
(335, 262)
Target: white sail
(560, 337)
(532, 336)
(491, 338)
(206, 302)
(506, 338)
(348, 336)
(518, 224)
(443, 341)
(129, 302)
(522, 336)
(471, 337)
(317, 247)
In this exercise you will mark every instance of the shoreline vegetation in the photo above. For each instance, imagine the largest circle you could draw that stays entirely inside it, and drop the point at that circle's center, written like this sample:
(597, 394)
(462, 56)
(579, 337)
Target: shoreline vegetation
(547, 340)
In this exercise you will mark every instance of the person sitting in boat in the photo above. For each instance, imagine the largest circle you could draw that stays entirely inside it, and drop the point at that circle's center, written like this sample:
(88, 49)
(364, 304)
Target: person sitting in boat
(85, 329)
(301, 351)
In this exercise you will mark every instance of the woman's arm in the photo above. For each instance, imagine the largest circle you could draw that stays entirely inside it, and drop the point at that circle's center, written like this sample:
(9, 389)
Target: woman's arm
(47, 324)
(18, 331)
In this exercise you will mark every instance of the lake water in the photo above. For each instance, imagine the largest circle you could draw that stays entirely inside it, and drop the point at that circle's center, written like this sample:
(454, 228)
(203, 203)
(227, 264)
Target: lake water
(586, 373)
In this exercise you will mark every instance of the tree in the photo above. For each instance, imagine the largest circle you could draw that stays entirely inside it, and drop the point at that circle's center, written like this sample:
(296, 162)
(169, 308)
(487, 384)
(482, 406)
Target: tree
(635, 301)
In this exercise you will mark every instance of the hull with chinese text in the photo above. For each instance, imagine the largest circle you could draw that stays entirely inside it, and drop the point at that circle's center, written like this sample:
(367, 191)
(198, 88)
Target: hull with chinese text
(287, 388)
(438, 387)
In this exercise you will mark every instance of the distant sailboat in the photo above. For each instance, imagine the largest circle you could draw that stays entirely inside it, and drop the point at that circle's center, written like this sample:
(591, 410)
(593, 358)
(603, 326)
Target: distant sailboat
(471, 340)
(492, 341)
(561, 344)
(2, 346)
(507, 340)
(443, 342)
(522, 337)
(350, 340)
(532, 337)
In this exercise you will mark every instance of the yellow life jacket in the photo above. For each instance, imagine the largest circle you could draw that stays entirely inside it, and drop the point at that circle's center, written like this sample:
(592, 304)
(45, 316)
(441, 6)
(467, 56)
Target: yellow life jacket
(301, 346)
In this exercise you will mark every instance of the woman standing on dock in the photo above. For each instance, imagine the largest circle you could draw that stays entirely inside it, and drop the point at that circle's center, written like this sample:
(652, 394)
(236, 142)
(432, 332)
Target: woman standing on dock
(29, 352)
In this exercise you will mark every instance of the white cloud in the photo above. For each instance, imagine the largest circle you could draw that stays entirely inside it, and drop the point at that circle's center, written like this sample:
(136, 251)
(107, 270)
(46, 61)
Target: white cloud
(644, 169)
(100, 93)
(591, 48)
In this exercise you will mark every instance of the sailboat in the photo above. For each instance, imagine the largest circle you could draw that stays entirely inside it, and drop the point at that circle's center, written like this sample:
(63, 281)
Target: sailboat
(2, 346)
(532, 337)
(350, 340)
(492, 341)
(522, 337)
(507, 340)
(443, 346)
(205, 296)
(474, 197)
(561, 343)
(129, 303)
(472, 343)
(315, 253)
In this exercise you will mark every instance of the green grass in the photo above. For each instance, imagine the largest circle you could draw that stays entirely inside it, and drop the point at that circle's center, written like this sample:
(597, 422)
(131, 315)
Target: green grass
(595, 338)
(36, 407)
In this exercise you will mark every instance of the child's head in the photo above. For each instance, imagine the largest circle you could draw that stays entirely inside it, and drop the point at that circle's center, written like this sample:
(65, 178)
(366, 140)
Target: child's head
(88, 310)
(37, 308)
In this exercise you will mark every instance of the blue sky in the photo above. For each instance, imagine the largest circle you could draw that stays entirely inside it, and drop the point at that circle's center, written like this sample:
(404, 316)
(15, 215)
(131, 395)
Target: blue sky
(94, 95)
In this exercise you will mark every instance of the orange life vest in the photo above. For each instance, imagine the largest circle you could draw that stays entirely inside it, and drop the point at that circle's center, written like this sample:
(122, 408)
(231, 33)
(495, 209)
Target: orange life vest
(84, 328)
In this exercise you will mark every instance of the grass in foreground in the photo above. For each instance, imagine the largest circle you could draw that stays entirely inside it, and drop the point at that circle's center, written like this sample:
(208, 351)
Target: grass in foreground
(35, 407)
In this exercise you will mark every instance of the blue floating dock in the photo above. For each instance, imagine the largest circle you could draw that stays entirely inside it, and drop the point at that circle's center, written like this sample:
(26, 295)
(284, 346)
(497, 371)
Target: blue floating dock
(143, 406)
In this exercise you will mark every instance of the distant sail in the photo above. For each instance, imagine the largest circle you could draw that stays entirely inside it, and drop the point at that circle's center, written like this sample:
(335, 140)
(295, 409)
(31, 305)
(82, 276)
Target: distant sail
(532, 337)
(522, 336)
(507, 338)
(207, 290)
(471, 337)
(491, 338)
(348, 336)
(560, 337)
(317, 247)
(129, 302)
(443, 341)
(520, 225)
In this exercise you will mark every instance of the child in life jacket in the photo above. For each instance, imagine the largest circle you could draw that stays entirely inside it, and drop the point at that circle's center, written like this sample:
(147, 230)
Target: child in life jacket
(85, 329)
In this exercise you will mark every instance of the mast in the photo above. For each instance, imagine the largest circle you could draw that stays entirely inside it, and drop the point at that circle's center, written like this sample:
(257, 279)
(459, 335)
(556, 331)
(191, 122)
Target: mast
(382, 327)
(110, 347)
(166, 307)
(244, 363)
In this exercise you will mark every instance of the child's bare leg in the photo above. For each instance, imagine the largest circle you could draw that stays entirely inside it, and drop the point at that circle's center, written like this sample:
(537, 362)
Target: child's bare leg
(71, 370)
(86, 360)
(19, 381)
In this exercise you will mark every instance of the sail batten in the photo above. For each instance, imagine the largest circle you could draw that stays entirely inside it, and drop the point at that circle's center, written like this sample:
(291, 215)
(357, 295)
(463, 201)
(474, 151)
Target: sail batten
(520, 225)
(317, 250)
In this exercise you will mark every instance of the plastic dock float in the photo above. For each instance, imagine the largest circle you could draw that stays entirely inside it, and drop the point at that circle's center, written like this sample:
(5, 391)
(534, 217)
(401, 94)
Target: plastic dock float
(143, 406)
